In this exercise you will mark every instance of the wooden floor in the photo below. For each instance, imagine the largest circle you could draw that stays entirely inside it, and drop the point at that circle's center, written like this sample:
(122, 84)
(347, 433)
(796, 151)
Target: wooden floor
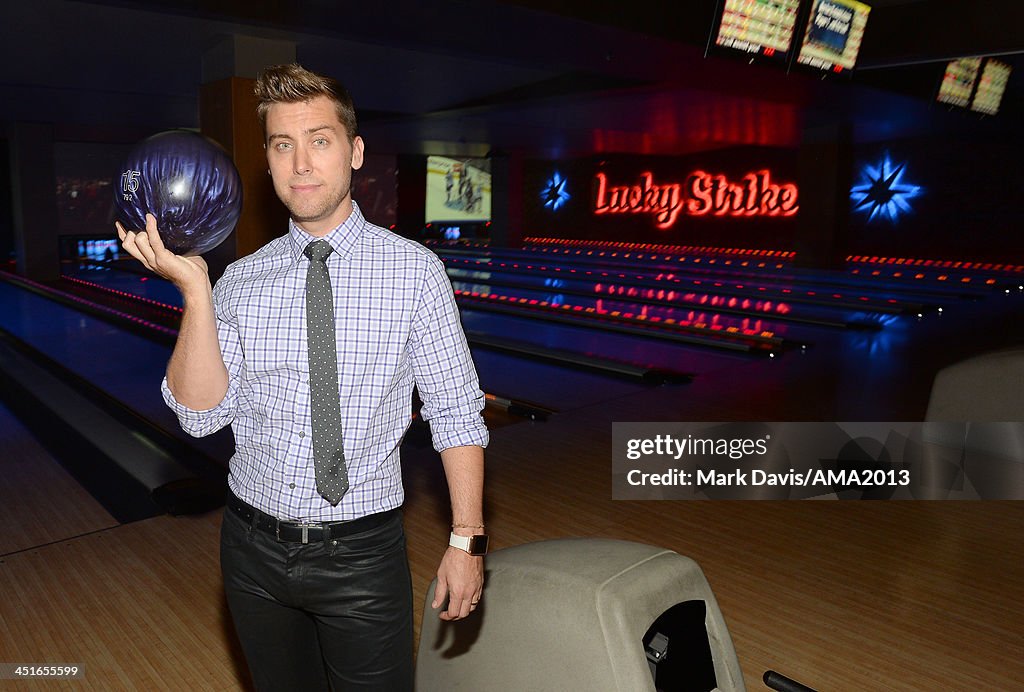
(838, 595)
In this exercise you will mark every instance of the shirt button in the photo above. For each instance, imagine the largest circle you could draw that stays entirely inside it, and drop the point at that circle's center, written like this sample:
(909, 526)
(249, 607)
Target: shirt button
(292, 486)
(302, 433)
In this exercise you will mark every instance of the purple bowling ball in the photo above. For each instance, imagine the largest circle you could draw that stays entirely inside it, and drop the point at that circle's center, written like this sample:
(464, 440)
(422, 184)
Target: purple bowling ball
(188, 182)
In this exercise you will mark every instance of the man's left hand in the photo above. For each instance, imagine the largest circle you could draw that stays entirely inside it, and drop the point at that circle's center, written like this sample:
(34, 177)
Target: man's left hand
(461, 578)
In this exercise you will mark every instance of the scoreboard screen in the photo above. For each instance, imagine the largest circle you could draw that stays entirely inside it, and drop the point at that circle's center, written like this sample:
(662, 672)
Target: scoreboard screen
(759, 28)
(835, 29)
(991, 85)
(958, 81)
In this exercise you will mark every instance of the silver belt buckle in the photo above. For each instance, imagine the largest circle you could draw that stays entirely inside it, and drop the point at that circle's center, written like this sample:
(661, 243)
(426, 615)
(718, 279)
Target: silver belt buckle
(306, 526)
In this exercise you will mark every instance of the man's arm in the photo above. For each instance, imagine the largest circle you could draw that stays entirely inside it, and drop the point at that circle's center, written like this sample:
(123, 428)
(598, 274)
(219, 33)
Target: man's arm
(196, 374)
(447, 383)
(460, 576)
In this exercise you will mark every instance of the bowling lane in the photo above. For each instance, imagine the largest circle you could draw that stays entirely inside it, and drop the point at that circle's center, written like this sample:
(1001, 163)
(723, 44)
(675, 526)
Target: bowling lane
(707, 328)
(919, 277)
(737, 334)
(125, 276)
(662, 355)
(862, 286)
(613, 347)
(35, 485)
(638, 276)
(91, 347)
(778, 311)
(127, 366)
(548, 385)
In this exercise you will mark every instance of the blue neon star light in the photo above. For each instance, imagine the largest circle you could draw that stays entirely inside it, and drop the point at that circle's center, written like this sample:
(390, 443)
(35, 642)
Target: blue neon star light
(554, 195)
(882, 192)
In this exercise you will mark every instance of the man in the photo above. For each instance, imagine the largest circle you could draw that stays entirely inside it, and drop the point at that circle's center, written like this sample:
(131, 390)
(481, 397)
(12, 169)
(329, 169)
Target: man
(312, 548)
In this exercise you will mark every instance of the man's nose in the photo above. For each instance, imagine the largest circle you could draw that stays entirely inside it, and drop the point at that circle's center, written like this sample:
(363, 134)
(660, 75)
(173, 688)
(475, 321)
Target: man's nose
(302, 163)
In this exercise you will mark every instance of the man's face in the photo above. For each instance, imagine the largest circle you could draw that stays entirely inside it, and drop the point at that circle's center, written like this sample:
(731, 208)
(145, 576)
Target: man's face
(311, 162)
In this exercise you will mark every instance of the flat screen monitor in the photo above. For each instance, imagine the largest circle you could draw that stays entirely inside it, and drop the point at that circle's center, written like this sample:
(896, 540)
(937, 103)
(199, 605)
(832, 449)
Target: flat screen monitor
(835, 29)
(458, 190)
(759, 28)
(989, 94)
(958, 81)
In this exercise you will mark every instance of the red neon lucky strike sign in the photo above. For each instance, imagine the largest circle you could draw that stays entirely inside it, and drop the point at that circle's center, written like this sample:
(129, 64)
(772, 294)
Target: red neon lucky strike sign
(703, 193)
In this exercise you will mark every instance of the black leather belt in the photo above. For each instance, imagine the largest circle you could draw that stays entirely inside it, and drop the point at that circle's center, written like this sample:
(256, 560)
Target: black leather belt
(304, 532)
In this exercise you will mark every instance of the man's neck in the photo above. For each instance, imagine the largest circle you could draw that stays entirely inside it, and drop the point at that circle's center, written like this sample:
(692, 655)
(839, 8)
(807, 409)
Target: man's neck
(321, 227)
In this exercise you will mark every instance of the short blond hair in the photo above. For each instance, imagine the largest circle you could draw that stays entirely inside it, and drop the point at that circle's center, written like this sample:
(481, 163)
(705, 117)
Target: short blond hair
(295, 84)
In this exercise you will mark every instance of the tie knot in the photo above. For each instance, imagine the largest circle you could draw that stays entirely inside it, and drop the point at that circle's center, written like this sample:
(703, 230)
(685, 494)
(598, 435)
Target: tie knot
(318, 250)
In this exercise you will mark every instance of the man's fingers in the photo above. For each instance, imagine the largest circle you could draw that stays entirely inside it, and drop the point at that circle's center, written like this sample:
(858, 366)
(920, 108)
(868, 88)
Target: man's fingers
(440, 592)
(145, 248)
(460, 605)
(458, 608)
(153, 234)
(460, 577)
(129, 241)
(454, 607)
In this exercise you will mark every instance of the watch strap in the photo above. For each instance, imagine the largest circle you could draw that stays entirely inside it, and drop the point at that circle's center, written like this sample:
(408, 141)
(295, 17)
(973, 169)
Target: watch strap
(474, 545)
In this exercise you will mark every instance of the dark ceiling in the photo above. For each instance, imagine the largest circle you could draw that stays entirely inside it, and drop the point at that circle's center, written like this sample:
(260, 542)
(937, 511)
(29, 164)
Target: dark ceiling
(550, 78)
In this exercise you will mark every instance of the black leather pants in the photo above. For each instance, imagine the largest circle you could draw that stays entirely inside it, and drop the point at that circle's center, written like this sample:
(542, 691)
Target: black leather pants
(335, 614)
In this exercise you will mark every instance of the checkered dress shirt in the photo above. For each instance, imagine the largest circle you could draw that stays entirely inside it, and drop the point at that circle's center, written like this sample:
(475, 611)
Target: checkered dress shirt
(397, 325)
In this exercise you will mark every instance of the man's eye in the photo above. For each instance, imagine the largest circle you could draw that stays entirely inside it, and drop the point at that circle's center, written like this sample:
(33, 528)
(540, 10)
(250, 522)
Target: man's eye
(320, 142)
(282, 146)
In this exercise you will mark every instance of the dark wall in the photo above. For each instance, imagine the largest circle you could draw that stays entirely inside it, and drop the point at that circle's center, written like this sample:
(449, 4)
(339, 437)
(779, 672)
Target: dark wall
(87, 177)
(411, 175)
(967, 205)
(6, 210)
(375, 189)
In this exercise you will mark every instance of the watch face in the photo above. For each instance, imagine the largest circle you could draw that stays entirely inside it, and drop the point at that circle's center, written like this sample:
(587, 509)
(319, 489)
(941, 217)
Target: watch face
(478, 545)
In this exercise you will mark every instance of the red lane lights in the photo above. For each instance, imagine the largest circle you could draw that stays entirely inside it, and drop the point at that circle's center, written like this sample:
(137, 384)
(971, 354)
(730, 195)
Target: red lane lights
(661, 248)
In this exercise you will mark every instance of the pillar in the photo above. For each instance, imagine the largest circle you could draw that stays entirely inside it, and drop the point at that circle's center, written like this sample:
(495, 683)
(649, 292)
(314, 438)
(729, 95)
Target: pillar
(825, 177)
(506, 198)
(227, 114)
(34, 201)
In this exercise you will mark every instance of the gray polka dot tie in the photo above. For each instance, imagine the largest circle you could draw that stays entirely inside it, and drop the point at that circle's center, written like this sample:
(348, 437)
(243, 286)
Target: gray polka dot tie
(328, 456)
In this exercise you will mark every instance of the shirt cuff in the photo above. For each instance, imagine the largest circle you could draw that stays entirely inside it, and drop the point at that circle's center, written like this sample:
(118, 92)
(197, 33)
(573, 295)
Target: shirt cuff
(198, 422)
(472, 433)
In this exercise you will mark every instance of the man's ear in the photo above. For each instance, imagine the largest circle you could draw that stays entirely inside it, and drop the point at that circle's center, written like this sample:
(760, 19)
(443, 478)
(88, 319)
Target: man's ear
(357, 153)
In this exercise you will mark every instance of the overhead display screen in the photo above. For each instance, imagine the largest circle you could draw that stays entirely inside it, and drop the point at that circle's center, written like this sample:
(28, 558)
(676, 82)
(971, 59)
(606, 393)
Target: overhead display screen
(458, 190)
(835, 29)
(958, 81)
(759, 27)
(991, 86)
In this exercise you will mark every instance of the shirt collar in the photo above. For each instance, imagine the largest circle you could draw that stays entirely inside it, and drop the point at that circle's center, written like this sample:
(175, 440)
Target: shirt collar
(343, 238)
